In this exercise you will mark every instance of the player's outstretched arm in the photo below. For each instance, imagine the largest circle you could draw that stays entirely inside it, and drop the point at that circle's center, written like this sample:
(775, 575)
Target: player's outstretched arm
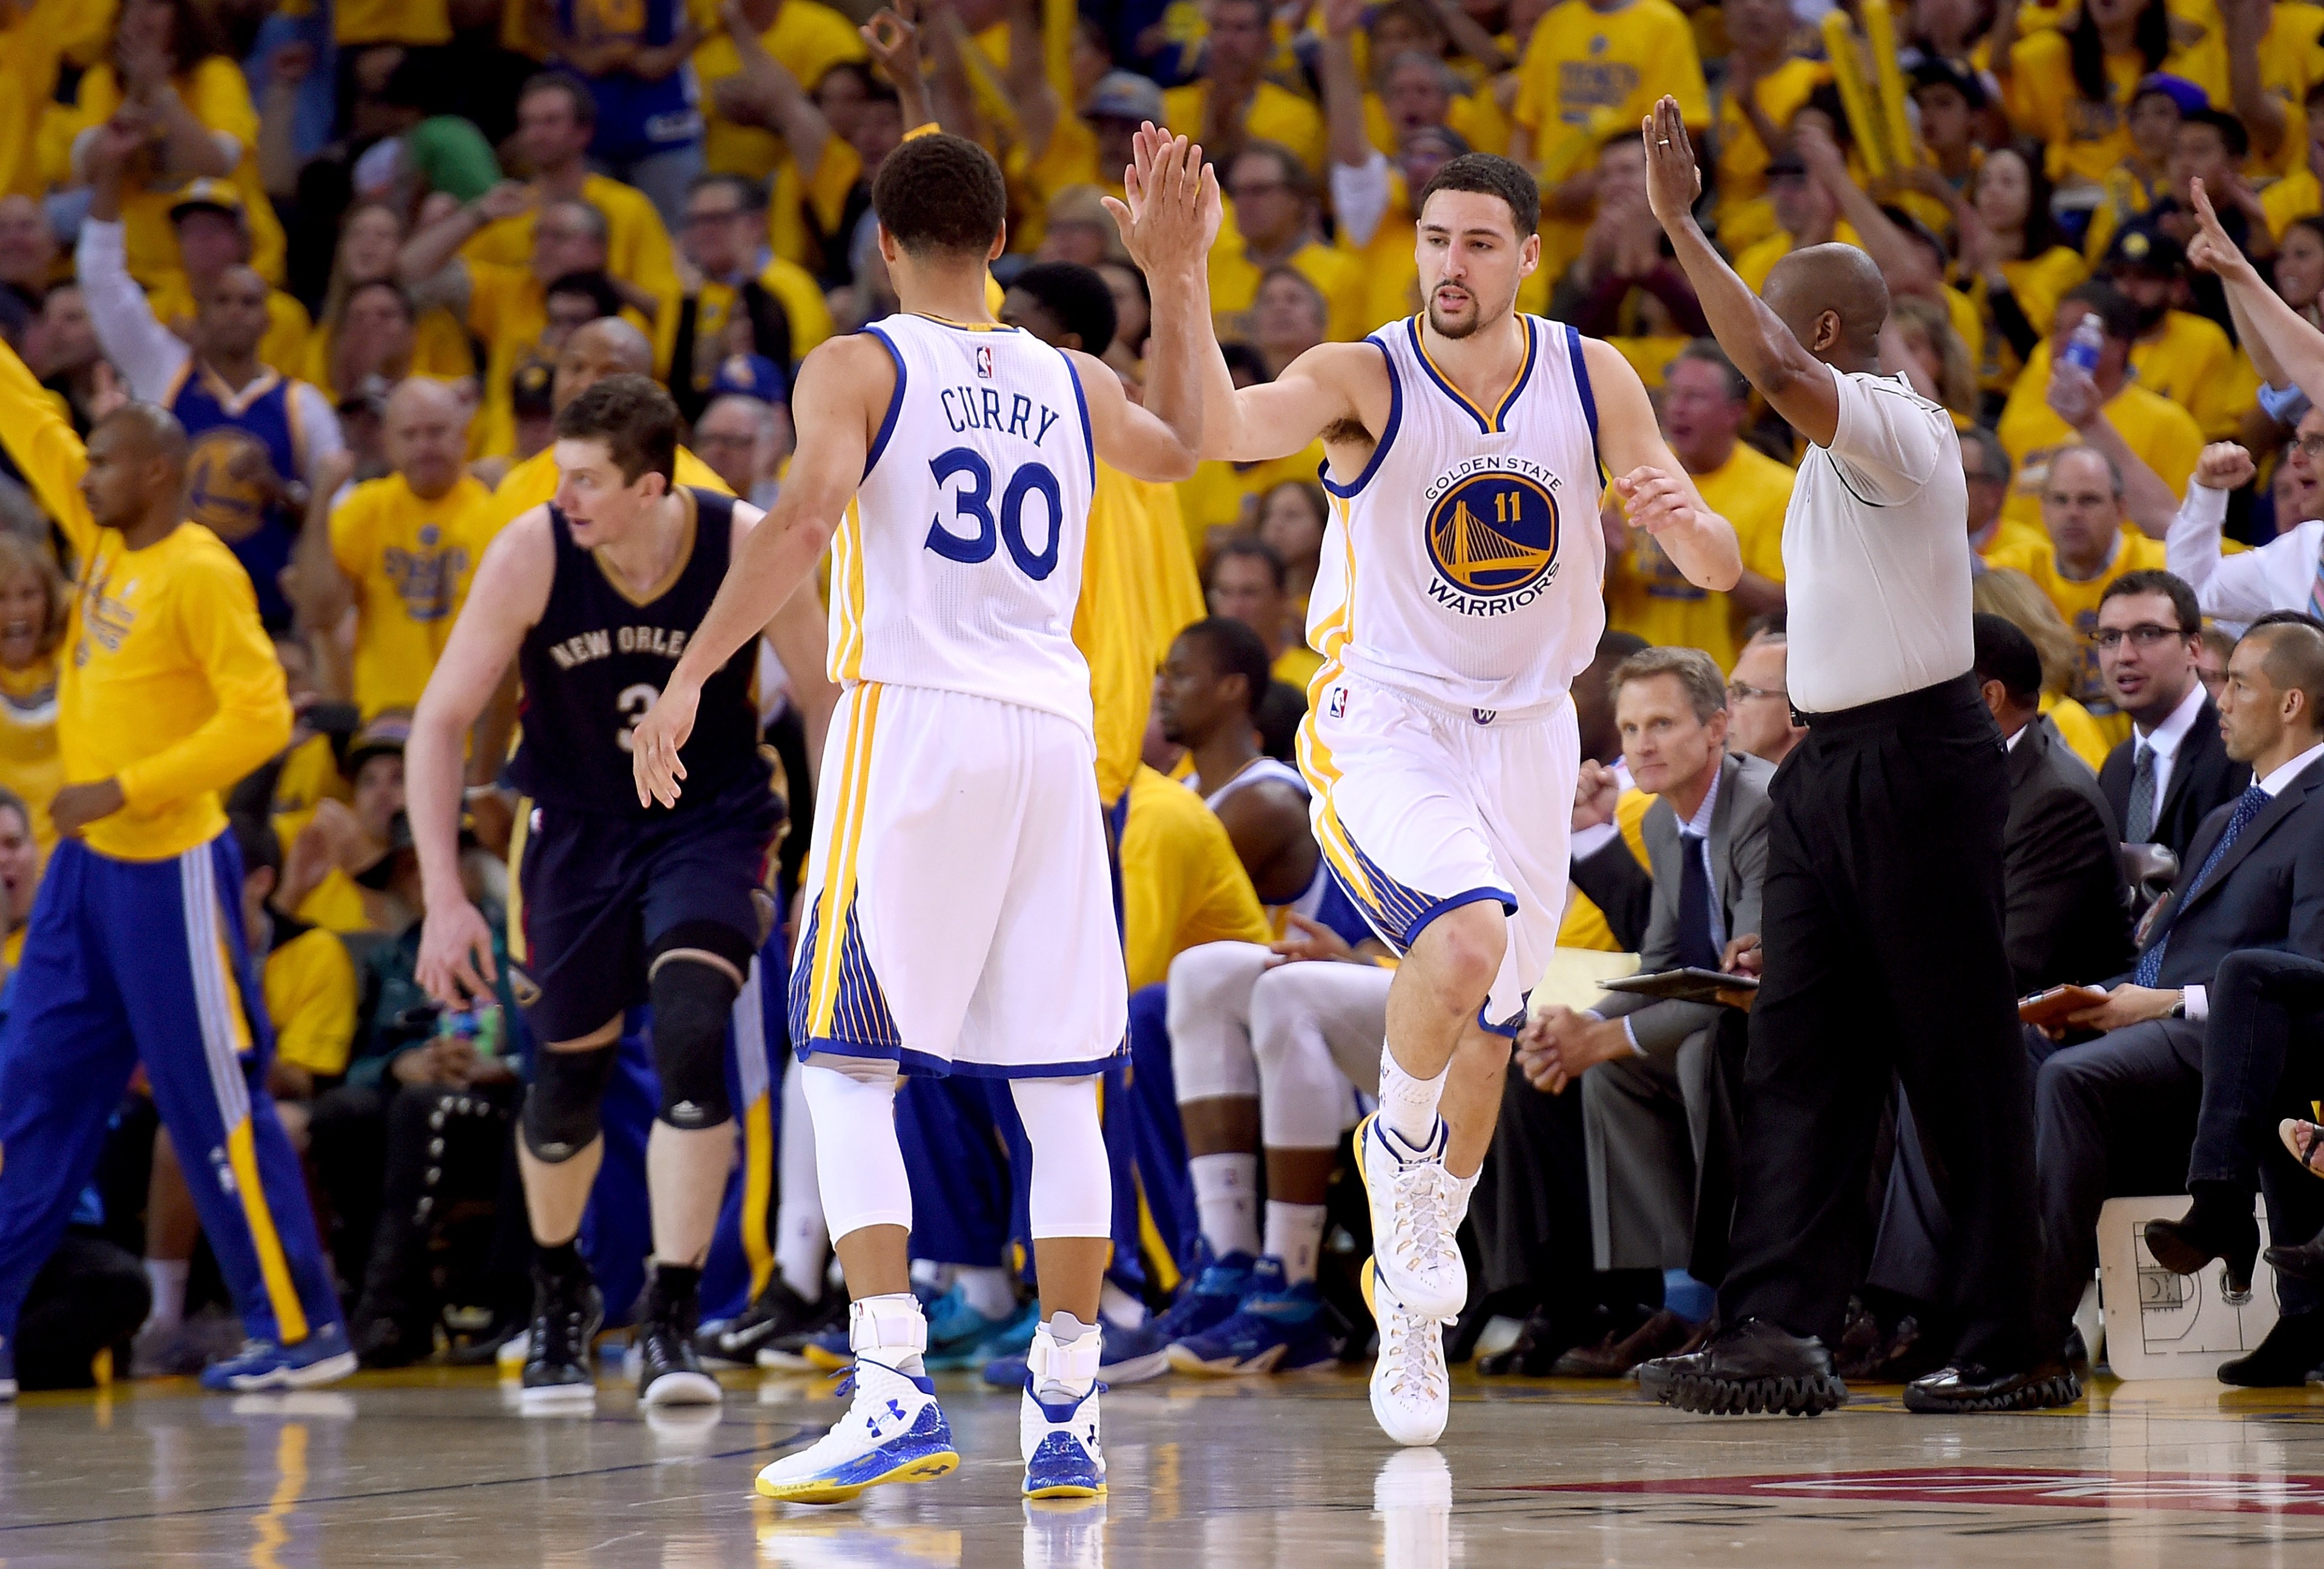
(1653, 485)
(1801, 387)
(509, 592)
(841, 385)
(1170, 217)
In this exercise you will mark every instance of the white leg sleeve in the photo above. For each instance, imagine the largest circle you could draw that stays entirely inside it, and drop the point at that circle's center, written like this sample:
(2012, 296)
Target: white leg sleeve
(1072, 1181)
(1210, 1019)
(859, 1164)
(1315, 1027)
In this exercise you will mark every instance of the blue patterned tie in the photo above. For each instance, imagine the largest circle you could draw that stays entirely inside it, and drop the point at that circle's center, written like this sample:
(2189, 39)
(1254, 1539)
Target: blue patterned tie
(2247, 806)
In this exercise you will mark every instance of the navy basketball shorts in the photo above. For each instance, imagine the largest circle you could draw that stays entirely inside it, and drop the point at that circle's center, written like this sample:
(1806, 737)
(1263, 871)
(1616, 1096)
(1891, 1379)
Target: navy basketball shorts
(601, 893)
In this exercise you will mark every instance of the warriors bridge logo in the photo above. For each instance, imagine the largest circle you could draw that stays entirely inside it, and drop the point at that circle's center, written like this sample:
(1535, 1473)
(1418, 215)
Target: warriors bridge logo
(1493, 535)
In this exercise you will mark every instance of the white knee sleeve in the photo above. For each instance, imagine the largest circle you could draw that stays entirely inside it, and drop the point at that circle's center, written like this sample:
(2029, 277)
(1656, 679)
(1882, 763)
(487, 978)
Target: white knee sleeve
(1314, 1027)
(1210, 1019)
(859, 1165)
(1072, 1181)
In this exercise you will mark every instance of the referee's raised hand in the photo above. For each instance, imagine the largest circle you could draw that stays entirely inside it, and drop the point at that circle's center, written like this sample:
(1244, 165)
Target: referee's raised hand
(1673, 178)
(654, 744)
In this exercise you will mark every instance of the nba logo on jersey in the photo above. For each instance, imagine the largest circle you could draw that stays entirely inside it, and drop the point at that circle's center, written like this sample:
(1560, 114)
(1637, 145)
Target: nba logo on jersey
(1339, 703)
(985, 361)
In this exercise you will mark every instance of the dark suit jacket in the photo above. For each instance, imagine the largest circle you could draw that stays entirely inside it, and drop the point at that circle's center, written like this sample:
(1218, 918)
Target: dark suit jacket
(1739, 864)
(2266, 893)
(2202, 777)
(2067, 916)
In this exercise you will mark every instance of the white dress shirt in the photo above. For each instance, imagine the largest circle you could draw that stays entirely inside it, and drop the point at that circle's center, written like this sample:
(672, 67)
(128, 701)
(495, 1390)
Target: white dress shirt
(1875, 561)
(2237, 590)
(2166, 738)
(2197, 998)
(150, 357)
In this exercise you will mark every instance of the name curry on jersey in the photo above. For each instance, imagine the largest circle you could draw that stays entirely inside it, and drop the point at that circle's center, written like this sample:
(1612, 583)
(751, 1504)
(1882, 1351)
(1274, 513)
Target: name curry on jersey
(1492, 533)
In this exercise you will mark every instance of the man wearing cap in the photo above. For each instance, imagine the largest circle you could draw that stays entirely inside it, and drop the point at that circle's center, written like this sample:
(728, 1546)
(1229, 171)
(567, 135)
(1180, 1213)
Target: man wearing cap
(259, 438)
(2143, 178)
(319, 865)
(1951, 100)
(2180, 355)
(214, 235)
(745, 433)
(399, 550)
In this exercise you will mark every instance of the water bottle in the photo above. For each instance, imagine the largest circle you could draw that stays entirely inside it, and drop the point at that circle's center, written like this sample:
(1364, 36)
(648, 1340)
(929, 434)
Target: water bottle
(2089, 340)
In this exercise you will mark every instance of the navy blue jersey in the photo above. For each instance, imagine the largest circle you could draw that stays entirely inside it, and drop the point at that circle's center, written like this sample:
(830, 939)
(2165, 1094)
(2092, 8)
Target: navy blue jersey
(597, 658)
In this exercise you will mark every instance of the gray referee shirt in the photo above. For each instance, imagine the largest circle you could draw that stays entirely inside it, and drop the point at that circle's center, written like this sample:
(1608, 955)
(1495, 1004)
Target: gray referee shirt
(1875, 552)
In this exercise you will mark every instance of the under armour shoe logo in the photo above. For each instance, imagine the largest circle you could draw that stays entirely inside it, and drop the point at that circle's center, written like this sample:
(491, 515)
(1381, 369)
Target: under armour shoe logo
(896, 1410)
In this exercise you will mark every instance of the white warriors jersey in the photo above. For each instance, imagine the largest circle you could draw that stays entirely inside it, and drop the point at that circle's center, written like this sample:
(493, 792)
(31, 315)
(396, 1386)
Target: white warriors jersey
(959, 563)
(1311, 898)
(1465, 565)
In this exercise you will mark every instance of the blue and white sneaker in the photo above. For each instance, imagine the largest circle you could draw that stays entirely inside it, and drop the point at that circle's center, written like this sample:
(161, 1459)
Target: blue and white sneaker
(1279, 1328)
(1056, 1429)
(894, 1431)
(7, 1371)
(1415, 1206)
(323, 1357)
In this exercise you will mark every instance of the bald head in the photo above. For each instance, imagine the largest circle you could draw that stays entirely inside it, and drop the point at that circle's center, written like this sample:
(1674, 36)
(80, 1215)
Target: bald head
(141, 432)
(135, 479)
(427, 435)
(1834, 300)
(607, 346)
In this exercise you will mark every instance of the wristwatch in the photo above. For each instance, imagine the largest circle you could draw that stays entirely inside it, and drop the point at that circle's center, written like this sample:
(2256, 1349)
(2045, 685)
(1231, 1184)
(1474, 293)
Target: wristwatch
(2179, 1006)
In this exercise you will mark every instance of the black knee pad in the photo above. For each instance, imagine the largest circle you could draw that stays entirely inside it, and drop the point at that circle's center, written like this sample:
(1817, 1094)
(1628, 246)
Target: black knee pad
(692, 1001)
(561, 1108)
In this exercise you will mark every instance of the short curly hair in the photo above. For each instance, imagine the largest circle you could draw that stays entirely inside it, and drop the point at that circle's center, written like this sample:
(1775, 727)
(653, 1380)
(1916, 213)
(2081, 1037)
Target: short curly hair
(636, 421)
(941, 195)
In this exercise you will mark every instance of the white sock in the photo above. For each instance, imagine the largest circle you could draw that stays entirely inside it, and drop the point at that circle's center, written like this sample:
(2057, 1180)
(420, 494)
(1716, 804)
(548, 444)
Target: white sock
(1119, 1307)
(1407, 1104)
(987, 1288)
(891, 1325)
(1226, 1201)
(1462, 1186)
(167, 1277)
(1295, 1234)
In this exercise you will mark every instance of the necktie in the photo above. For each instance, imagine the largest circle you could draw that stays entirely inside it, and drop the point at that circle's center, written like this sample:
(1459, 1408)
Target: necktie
(2138, 826)
(2247, 806)
(1695, 948)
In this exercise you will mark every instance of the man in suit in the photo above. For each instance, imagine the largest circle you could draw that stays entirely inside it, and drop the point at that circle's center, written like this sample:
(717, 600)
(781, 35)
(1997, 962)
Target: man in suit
(2116, 1115)
(2174, 769)
(1644, 1064)
(2068, 910)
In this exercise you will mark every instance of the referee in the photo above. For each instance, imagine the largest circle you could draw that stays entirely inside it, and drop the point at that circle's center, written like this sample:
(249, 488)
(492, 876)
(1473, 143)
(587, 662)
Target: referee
(1881, 929)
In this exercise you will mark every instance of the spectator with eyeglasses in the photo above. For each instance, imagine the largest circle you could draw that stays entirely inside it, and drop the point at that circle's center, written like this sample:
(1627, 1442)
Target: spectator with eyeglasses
(1758, 705)
(2174, 768)
(2287, 573)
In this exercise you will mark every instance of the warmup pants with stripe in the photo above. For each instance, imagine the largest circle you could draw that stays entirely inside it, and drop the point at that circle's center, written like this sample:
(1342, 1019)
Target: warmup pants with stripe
(145, 961)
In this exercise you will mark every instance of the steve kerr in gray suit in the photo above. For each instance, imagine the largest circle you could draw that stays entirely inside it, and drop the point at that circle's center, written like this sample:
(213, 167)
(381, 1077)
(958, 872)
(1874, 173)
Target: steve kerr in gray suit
(1643, 1064)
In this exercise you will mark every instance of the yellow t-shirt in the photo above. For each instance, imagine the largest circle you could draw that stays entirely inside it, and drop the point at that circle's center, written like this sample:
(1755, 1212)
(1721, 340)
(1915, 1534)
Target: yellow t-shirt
(1474, 115)
(534, 481)
(1584, 924)
(1111, 626)
(1296, 665)
(31, 43)
(807, 39)
(284, 346)
(1276, 115)
(2294, 196)
(1753, 492)
(2013, 535)
(2189, 361)
(2084, 737)
(30, 762)
(1645, 593)
(353, 22)
(1182, 884)
(2085, 140)
(1337, 276)
(1744, 213)
(441, 349)
(2163, 434)
(2037, 284)
(218, 97)
(637, 251)
(1213, 497)
(411, 561)
(2077, 601)
(309, 982)
(169, 686)
(1584, 67)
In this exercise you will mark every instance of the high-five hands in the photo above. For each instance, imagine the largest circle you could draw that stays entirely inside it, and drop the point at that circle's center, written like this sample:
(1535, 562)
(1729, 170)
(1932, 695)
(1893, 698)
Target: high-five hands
(1673, 178)
(1170, 209)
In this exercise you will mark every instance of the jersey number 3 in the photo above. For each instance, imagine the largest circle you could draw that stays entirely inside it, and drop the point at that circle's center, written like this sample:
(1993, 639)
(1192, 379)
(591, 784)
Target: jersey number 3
(974, 503)
(632, 704)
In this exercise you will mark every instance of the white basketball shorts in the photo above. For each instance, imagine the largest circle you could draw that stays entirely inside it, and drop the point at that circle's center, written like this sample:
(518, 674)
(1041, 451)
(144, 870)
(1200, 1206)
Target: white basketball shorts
(959, 908)
(1421, 809)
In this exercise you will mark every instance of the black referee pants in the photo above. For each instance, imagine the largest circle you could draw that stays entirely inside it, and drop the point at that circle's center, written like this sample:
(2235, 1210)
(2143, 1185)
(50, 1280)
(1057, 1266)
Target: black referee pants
(1882, 927)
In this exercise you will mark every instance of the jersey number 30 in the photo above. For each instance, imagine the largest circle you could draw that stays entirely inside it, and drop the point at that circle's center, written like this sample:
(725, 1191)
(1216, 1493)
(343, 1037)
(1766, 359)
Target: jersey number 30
(973, 501)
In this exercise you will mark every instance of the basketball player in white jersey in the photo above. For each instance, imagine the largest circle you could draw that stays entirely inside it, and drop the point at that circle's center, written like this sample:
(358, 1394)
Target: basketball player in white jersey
(1459, 596)
(959, 910)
